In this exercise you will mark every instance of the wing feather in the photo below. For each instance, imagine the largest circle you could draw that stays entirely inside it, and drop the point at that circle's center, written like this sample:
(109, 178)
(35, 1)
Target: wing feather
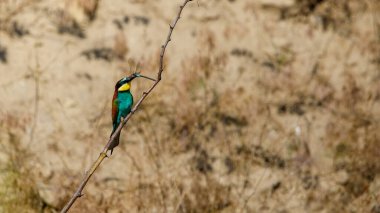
(115, 107)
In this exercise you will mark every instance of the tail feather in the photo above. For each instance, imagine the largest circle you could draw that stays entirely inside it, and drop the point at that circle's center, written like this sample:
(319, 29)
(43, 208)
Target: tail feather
(115, 142)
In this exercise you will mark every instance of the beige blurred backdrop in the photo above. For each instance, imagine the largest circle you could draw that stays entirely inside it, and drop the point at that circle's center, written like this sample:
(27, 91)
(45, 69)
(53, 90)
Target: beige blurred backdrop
(264, 105)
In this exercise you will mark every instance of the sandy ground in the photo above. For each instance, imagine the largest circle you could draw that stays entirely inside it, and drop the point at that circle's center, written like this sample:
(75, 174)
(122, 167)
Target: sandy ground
(264, 106)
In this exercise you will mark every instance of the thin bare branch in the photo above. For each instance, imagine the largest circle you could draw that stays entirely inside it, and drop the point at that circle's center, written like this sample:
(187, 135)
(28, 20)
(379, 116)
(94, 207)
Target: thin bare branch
(161, 68)
(103, 154)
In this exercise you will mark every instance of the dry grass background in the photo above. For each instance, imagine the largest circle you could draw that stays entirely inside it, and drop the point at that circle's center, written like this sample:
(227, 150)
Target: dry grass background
(265, 106)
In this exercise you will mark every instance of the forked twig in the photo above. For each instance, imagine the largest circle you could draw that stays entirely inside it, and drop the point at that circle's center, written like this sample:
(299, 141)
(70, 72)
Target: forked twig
(103, 154)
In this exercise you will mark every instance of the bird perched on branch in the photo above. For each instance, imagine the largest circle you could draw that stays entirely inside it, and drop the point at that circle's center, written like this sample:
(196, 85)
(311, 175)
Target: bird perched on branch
(122, 102)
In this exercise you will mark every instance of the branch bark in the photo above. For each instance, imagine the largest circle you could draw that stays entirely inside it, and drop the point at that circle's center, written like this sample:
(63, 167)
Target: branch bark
(103, 154)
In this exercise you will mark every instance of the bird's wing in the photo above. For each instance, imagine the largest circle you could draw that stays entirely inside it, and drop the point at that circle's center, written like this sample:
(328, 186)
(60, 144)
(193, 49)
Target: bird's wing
(115, 107)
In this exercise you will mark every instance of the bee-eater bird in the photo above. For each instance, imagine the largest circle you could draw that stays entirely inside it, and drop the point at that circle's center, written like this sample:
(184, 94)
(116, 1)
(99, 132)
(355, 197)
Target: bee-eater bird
(122, 102)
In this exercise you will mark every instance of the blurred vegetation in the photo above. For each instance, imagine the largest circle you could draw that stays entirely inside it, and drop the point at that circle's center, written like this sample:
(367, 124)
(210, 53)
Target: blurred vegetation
(236, 129)
(18, 191)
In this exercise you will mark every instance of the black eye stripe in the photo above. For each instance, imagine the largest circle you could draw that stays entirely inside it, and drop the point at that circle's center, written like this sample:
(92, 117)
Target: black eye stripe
(124, 81)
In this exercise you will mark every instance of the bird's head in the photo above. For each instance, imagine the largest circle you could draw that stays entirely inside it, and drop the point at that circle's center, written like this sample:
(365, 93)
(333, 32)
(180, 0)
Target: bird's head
(124, 84)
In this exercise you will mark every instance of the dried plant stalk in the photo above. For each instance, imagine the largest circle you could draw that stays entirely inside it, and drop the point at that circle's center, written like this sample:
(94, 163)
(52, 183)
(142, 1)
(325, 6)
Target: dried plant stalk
(103, 154)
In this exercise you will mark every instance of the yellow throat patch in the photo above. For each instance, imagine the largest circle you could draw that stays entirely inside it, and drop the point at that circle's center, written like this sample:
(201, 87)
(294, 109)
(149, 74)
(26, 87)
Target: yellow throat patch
(124, 87)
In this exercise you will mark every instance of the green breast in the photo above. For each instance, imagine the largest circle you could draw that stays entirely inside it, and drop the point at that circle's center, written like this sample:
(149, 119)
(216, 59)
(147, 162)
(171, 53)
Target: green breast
(125, 102)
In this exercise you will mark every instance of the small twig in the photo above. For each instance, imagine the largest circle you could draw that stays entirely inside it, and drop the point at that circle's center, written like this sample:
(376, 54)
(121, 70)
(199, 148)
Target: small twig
(103, 154)
(36, 71)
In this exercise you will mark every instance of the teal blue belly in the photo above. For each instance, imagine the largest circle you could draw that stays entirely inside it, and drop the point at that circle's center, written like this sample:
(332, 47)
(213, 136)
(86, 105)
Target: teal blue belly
(125, 102)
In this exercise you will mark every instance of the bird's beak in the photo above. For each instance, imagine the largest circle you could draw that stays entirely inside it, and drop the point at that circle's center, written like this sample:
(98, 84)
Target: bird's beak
(152, 79)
